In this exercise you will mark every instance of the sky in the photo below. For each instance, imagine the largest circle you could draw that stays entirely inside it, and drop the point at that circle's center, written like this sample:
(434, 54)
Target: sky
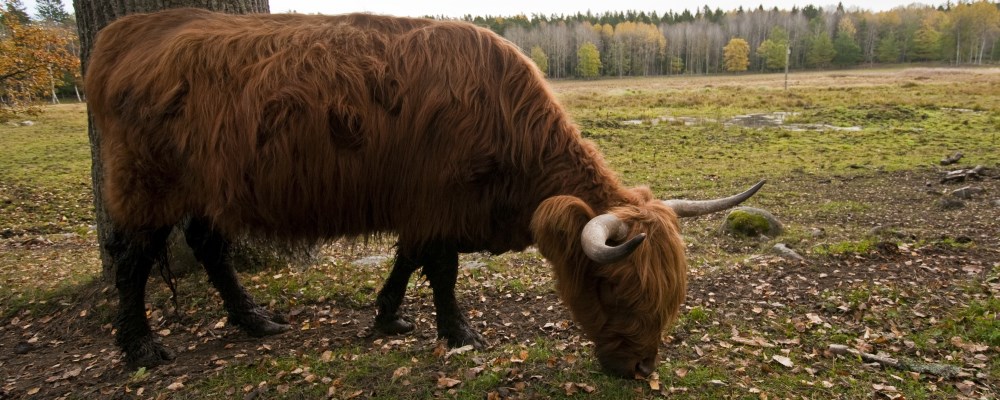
(458, 8)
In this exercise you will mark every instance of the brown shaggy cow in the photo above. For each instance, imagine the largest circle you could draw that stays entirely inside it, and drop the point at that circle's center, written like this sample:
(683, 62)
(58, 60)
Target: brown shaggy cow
(302, 128)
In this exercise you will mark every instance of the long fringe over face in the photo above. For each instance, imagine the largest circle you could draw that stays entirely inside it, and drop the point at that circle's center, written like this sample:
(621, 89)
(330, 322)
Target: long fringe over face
(624, 307)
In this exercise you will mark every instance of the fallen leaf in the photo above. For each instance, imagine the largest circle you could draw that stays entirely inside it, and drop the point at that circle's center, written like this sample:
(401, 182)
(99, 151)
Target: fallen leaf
(458, 350)
(72, 373)
(327, 356)
(33, 390)
(570, 388)
(681, 372)
(176, 386)
(399, 373)
(440, 350)
(783, 360)
(884, 388)
(445, 382)
(966, 387)
(654, 382)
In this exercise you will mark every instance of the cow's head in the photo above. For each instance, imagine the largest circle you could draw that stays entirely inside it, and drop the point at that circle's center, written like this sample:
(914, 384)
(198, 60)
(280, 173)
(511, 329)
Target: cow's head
(623, 273)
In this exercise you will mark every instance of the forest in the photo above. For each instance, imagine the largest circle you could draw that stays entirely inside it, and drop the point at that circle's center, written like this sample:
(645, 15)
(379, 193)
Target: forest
(636, 43)
(41, 61)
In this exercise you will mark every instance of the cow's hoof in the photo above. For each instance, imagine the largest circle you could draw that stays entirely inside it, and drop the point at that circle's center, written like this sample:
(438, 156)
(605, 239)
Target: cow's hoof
(393, 326)
(464, 336)
(260, 322)
(147, 353)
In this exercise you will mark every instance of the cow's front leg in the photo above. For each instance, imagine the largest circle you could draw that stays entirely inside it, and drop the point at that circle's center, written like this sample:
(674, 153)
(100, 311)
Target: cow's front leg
(390, 297)
(133, 255)
(211, 249)
(441, 268)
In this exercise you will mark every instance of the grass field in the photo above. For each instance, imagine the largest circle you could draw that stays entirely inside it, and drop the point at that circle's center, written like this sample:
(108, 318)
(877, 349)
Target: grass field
(853, 173)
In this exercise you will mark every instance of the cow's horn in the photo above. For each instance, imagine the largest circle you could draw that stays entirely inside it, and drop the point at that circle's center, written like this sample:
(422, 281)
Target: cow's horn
(606, 227)
(694, 208)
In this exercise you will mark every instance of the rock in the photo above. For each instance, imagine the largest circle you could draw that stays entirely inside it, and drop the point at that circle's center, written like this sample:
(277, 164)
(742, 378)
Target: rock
(978, 172)
(818, 233)
(967, 192)
(27, 123)
(952, 159)
(751, 222)
(950, 203)
(786, 252)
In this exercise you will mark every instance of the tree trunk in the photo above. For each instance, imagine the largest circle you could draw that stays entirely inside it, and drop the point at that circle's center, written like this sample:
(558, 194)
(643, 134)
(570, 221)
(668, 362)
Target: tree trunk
(91, 16)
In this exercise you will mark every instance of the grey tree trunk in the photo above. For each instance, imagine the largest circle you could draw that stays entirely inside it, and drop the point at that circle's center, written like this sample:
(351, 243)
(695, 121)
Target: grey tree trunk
(91, 16)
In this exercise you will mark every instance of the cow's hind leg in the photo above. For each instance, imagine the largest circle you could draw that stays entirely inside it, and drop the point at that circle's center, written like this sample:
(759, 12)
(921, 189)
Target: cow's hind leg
(390, 298)
(211, 249)
(133, 255)
(441, 268)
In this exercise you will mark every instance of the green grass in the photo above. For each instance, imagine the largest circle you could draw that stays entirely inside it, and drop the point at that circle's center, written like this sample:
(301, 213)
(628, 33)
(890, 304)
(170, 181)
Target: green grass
(44, 191)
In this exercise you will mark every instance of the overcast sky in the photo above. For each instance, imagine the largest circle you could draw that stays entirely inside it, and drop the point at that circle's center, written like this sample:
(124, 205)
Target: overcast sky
(458, 8)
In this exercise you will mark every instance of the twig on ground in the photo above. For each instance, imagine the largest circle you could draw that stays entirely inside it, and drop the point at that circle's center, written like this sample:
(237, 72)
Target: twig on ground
(942, 370)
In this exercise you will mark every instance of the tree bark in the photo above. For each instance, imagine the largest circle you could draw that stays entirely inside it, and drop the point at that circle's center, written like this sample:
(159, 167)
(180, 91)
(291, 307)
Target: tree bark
(91, 16)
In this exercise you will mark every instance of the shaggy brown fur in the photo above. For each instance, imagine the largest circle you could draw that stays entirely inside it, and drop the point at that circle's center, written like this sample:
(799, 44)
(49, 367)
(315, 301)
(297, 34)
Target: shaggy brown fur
(309, 127)
(623, 306)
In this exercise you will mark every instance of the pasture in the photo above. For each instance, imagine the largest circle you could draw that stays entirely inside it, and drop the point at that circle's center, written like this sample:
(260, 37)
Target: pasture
(852, 163)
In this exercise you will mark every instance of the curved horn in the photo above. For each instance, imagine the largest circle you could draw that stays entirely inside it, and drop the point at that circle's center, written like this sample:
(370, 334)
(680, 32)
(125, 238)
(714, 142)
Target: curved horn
(694, 208)
(606, 227)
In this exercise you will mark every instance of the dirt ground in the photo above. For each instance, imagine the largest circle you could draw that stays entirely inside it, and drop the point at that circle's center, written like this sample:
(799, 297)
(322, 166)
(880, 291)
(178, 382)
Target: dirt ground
(69, 351)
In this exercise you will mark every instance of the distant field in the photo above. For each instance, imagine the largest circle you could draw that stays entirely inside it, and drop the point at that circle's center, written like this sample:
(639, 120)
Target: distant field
(851, 158)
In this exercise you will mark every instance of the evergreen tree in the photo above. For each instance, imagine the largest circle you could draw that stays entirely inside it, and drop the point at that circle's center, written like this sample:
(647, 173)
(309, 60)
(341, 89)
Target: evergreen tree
(52, 11)
(926, 43)
(888, 50)
(821, 51)
(14, 9)
(848, 51)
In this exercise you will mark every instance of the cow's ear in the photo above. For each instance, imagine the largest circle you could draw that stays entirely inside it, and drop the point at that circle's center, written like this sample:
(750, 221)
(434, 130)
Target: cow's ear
(556, 226)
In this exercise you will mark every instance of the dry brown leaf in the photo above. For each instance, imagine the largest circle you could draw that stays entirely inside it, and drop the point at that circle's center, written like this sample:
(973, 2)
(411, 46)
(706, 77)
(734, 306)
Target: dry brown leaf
(399, 373)
(570, 388)
(176, 386)
(445, 382)
(966, 387)
(440, 350)
(654, 382)
(586, 388)
(33, 390)
(327, 356)
(682, 372)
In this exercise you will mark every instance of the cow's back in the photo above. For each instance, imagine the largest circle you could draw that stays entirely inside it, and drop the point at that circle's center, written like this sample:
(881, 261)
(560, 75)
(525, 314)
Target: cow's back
(316, 126)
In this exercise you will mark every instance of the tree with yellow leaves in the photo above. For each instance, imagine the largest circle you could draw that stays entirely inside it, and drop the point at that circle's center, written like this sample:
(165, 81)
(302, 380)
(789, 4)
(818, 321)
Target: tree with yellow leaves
(736, 55)
(35, 59)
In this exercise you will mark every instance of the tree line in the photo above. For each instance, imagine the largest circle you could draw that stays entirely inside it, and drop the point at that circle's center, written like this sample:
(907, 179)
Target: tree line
(39, 55)
(715, 41)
